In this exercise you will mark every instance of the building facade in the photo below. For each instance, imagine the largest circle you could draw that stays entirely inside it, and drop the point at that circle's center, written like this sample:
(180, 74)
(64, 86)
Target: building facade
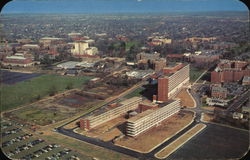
(172, 81)
(150, 118)
(95, 120)
(230, 71)
(81, 48)
(219, 92)
(18, 60)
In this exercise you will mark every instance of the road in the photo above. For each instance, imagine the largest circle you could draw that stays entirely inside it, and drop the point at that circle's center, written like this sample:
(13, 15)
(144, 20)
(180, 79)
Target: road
(238, 102)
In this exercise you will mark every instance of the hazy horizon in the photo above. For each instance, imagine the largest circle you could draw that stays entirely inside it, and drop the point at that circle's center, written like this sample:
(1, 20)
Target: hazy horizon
(121, 6)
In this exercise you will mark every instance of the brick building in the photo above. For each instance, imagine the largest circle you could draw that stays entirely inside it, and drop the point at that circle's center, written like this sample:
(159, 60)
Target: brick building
(219, 92)
(19, 60)
(171, 82)
(150, 60)
(230, 71)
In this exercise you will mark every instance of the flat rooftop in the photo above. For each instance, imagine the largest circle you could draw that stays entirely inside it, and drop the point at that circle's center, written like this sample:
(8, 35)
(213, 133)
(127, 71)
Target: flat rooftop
(140, 115)
(172, 65)
(147, 112)
(149, 104)
(166, 103)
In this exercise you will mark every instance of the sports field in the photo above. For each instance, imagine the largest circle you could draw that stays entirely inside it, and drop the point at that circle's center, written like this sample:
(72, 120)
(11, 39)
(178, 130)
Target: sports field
(34, 89)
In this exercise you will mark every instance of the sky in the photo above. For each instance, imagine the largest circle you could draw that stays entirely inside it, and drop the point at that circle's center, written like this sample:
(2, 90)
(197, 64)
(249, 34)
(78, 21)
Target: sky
(121, 6)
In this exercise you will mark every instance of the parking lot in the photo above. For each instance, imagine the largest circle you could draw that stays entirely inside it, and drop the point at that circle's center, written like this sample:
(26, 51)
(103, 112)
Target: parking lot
(20, 145)
(214, 142)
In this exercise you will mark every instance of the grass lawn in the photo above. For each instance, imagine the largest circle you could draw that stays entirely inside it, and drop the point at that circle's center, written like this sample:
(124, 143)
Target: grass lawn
(27, 91)
(127, 46)
(195, 73)
(130, 44)
(87, 149)
(39, 115)
(136, 92)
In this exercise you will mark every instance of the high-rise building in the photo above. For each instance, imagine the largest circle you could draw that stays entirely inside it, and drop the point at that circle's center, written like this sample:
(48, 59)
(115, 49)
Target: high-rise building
(171, 82)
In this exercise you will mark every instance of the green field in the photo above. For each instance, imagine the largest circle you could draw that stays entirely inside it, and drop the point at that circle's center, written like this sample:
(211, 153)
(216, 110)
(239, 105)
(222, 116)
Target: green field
(130, 44)
(40, 116)
(137, 92)
(35, 89)
(195, 73)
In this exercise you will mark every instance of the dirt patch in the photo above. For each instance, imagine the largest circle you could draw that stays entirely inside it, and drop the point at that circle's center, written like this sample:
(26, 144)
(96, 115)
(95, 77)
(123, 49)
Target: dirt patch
(209, 108)
(186, 99)
(110, 135)
(145, 142)
(208, 117)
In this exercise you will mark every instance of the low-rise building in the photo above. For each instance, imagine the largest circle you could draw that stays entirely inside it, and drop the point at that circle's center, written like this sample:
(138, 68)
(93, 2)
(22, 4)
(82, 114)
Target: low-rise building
(67, 65)
(18, 60)
(31, 47)
(219, 92)
(237, 115)
(47, 41)
(139, 74)
(246, 109)
(246, 80)
(218, 102)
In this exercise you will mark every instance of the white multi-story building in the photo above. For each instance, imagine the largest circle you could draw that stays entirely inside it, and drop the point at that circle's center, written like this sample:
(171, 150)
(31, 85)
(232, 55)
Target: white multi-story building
(150, 118)
(95, 120)
(82, 48)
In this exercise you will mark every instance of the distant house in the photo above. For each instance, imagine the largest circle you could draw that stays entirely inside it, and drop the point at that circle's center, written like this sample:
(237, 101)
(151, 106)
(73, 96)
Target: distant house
(237, 115)
(71, 72)
(30, 46)
(245, 109)
(67, 65)
(246, 80)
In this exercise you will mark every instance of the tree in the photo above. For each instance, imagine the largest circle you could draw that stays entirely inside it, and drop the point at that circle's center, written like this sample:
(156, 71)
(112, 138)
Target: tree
(38, 97)
(132, 53)
(53, 90)
(69, 86)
